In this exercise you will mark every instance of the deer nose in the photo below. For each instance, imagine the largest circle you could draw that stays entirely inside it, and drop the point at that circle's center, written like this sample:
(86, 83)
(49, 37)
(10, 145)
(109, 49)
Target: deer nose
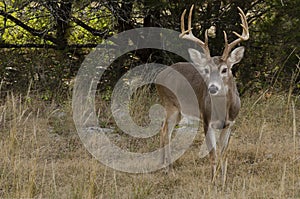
(213, 89)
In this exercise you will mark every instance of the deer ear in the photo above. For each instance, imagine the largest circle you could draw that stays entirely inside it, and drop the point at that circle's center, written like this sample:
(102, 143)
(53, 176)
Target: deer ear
(236, 55)
(196, 56)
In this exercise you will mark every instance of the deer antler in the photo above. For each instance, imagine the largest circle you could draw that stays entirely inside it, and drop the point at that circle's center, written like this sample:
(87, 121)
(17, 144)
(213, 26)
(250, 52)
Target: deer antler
(188, 34)
(243, 37)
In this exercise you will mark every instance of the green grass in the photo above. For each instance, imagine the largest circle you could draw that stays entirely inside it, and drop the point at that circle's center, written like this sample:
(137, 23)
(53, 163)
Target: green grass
(43, 157)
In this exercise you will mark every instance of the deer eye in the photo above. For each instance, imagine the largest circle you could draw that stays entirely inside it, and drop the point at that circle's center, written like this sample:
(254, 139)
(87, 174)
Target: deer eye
(224, 70)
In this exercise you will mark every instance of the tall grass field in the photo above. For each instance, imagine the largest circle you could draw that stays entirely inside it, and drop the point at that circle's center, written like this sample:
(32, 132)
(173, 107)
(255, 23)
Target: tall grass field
(42, 156)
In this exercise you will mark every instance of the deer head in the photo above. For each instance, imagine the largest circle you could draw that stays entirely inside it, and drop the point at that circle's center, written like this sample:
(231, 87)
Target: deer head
(216, 71)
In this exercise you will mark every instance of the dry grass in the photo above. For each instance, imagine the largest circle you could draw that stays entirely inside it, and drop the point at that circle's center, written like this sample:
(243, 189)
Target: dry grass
(42, 156)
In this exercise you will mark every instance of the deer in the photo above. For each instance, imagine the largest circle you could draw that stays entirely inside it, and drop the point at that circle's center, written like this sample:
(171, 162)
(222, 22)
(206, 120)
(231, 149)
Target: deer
(210, 78)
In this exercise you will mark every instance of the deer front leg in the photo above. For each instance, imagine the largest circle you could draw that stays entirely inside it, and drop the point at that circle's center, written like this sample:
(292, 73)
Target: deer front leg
(211, 146)
(222, 146)
(217, 149)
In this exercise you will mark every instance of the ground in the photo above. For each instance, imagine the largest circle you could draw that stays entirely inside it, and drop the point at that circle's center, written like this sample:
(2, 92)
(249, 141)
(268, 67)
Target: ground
(43, 157)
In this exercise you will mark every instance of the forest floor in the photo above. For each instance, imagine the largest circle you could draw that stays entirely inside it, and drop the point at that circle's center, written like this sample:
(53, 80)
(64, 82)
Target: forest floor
(42, 155)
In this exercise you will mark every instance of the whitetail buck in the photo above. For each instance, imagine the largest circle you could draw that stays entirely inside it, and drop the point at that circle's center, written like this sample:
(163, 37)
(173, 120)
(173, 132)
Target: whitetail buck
(210, 78)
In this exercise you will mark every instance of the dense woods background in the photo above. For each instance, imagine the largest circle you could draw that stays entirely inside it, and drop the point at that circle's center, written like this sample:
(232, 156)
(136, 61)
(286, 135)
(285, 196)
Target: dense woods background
(43, 43)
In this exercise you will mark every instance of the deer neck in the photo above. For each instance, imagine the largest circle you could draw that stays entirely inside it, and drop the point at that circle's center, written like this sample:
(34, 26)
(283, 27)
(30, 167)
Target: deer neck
(221, 104)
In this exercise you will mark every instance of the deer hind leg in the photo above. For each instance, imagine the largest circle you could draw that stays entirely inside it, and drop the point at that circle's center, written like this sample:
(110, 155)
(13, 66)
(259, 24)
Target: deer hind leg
(172, 118)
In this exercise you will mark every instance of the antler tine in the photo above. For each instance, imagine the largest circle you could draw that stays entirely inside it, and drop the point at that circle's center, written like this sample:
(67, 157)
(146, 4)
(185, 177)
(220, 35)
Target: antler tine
(188, 34)
(243, 37)
(190, 18)
(182, 23)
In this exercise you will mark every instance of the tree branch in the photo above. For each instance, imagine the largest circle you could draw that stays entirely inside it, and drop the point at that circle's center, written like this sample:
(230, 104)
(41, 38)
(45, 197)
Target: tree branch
(73, 46)
(5, 45)
(94, 31)
(34, 32)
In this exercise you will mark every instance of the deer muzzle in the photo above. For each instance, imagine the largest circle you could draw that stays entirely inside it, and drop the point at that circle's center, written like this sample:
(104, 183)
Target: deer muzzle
(213, 89)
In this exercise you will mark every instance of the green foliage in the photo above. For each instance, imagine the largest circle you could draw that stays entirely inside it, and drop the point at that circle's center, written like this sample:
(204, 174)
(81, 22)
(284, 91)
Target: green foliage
(272, 55)
(71, 28)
